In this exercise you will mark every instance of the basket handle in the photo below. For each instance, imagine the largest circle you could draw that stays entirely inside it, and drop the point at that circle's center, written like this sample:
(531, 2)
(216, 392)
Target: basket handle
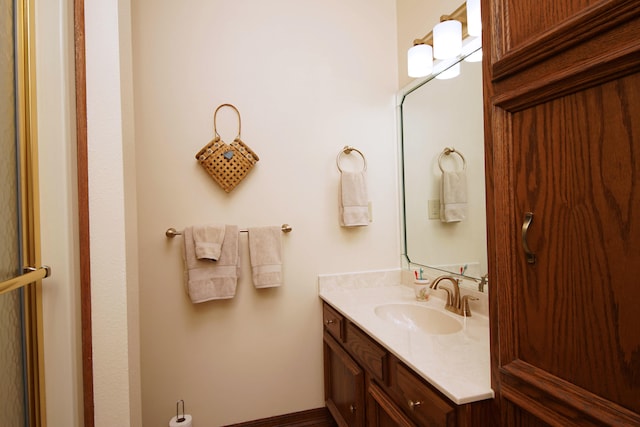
(215, 130)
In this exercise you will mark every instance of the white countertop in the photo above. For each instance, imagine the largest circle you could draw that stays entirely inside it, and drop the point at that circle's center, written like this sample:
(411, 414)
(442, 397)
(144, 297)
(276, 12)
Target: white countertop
(457, 364)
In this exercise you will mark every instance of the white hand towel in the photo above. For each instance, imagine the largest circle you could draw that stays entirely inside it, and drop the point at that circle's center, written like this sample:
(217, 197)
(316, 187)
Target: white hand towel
(265, 250)
(453, 196)
(208, 241)
(354, 199)
(209, 280)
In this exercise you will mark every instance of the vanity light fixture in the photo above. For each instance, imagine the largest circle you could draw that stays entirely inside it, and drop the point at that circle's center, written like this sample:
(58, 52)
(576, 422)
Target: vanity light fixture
(447, 39)
(474, 19)
(420, 60)
(458, 18)
(449, 73)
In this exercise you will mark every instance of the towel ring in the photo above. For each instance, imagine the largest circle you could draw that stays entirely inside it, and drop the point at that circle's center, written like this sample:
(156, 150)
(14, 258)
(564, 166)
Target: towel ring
(447, 151)
(347, 150)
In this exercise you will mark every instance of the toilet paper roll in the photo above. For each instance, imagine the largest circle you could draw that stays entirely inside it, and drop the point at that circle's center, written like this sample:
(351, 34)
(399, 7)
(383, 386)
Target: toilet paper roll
(186, 423)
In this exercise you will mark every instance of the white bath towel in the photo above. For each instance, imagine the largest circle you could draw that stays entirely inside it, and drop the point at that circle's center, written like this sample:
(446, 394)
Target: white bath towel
(354, 199)
(453, 196)
(265, 250)
(209, 280)
(208, 241)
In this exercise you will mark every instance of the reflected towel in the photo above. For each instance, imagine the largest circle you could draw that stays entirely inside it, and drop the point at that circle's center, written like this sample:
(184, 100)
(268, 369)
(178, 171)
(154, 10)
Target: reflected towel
(208, 241)
(354, 199)
(265, 250)
(209, 280)
(453, 196)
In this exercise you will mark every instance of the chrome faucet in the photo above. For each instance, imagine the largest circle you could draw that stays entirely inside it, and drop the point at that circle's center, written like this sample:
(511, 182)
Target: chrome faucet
(455, 303)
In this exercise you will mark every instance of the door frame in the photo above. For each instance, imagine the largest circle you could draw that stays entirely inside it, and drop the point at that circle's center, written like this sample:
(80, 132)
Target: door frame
(83, 212)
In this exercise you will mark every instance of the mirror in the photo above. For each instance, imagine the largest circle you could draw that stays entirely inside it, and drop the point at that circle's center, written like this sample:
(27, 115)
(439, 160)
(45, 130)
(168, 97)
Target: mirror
(435, 114)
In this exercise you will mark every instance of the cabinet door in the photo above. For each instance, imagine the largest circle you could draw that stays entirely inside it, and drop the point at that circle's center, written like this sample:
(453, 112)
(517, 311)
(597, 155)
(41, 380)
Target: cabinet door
(382, 412)
(562, 114)
(343, 385)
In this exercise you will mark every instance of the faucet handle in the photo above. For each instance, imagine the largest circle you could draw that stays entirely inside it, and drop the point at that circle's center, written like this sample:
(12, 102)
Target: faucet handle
(466, 311)
(484, 280)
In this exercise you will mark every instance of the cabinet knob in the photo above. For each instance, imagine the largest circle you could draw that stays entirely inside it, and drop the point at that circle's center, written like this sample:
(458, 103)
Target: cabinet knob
(352, 408)
(330, 321)
(414, 404)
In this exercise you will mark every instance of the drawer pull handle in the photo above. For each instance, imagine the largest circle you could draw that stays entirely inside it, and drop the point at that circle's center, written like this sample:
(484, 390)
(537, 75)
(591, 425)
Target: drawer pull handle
(352, 408)
(531, 257)
(330, 322)
(413, 405)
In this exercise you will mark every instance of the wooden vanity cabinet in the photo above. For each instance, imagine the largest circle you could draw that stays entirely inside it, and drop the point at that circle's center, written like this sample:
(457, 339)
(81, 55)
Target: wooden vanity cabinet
(365, 385)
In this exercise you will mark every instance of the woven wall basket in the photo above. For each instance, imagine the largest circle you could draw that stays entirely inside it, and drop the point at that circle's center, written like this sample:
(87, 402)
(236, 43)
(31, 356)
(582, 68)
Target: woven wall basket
(227, 164)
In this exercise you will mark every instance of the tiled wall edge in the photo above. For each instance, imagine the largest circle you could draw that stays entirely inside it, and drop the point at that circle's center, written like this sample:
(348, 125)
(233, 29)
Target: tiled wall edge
(359, 279)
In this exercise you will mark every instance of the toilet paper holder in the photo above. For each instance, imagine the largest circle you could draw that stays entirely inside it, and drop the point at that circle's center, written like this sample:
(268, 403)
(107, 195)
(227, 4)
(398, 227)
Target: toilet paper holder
(179, 418)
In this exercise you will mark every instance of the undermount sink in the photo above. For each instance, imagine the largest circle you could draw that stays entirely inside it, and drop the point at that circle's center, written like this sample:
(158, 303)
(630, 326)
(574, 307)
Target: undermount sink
(417, 318)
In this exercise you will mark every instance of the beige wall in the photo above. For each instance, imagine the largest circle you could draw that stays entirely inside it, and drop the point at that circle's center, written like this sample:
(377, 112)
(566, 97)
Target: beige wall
(308, 79)
(112, 214)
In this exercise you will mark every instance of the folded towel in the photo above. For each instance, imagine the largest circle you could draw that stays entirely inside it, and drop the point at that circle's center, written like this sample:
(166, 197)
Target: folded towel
(208, 241)
(265, 250)
(453, 203)
(354, 199)
(209, 280)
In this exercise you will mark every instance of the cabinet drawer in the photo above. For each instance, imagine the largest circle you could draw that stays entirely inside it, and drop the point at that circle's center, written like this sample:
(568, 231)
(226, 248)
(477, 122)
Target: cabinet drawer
(333, 322)
(366, 351)
(384, 410)
(422, 403)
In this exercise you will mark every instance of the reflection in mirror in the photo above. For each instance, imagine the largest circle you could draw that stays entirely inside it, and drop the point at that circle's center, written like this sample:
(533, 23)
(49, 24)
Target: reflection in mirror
(436, 114)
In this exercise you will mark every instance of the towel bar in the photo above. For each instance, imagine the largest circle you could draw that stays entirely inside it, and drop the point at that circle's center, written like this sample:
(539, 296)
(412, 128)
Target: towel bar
(448, 151)
(172, 232)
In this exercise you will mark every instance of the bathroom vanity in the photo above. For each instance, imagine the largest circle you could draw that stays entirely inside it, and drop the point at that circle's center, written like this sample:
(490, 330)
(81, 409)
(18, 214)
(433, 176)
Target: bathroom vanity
(384, 370)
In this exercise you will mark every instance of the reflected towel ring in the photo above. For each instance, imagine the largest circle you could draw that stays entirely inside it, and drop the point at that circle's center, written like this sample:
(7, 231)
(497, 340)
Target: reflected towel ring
(347, 150)
(448, 151)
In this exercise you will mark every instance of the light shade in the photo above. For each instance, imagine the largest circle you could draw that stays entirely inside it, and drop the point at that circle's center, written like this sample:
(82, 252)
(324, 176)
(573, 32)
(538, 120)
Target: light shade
(449, 73)
(474, 19)
(420, 60)
(447, 39)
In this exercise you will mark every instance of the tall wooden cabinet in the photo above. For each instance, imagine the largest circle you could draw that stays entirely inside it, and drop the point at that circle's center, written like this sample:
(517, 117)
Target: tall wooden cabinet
(562, 131)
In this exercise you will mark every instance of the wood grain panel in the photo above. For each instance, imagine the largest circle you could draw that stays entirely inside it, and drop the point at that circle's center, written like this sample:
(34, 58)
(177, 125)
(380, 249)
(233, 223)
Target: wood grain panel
(319, 417)
(84, 241)
(579, 172)
(433, 409)
(559, 402)
(371, 355)
(563, 141)
(343, 385)
(535, 35)
(523, 22)
(384, 411)
(333, 322)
